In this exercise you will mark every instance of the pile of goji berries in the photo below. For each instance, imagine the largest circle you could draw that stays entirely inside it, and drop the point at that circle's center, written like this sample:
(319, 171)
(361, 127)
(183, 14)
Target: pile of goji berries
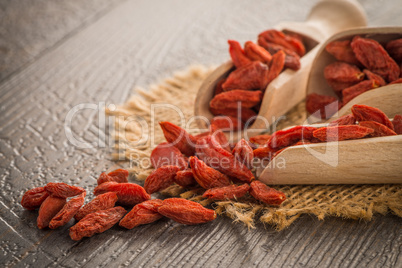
(364, 122)
(206, 160)
(255, 67)
(362, 64)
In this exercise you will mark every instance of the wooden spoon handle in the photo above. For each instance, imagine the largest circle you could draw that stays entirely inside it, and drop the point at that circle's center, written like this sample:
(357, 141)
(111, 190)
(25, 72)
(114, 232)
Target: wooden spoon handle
(328, 17)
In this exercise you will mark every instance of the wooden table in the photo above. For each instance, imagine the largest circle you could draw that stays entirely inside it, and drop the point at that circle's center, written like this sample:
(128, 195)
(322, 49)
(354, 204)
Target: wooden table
(56, 55)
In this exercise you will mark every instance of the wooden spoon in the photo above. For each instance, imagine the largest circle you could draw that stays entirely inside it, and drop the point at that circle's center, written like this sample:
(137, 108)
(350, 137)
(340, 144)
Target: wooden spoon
(362, 161)
(386, 98)
(326, 18)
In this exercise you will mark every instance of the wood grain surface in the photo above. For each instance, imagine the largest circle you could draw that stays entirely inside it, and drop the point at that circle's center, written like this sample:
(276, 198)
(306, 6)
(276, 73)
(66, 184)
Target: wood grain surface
(56, 55)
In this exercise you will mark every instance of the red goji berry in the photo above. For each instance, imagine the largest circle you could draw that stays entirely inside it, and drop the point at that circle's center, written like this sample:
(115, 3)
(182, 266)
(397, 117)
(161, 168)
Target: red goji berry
(231, 99)
(341, 75)
(186, 211)
(249, 77)
(348, 119)
(212, 153)
(260, 139)
(394, 49)
(160, 179)
(340, 133)
(366, 113)
(378, 80)
(143, 213)
(342, 51)
(244, 153)
(49, 208)
(227, 123)
(178, 137)
(292, 60)
(284, 138)
(352, 92)
(266, 194)
(206, 176)
(97, 222)
(60, 189)
(284, 40)
(100, 202)
(276, 66)
(397, 123)
(228, 192)
(32, 199)
(185, 178)
(128, 194)
(244, 114)
(165, 154)
(379, 129)
(237, 54)
(327, 105)
(257, 53)
(67, 212)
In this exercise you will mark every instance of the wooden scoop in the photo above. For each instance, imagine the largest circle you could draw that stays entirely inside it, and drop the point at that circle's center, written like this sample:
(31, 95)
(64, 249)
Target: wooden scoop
(362, 161)
(386, 98)
(326, 18)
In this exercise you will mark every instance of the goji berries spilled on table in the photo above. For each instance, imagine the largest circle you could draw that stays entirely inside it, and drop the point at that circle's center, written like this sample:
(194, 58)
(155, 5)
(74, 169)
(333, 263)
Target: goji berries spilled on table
(49, 208)
(128, 194)
(160, 178)
(206, 176)
(33, 198)
(143, 213)
(100, 202)
(67, 212)
(63, 190)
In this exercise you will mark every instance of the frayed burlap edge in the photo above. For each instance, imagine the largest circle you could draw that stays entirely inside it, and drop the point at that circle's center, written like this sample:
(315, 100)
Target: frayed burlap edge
(134, 126)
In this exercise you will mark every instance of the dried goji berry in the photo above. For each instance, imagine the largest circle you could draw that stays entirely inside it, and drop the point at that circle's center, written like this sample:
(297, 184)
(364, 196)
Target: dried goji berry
(185, 178)
(340, 133)
(257, 53)
(292, 60)
(284, 40)
(260, 139)
(32, 199)
(276, 66)
(186, 211)
(379, 129)
(118, 175)
(220, 137)
(244, 153)
(49, 208)
(143, 213)
(327, 105)
(237, 54)
(67, 212)
(352, 92)
(60, 189)
(218, 86)
(372, 76)
(206, 176)
(100, 202)
(348, 119)
(375, 58)
(367, 113)
(341, 75)
(212, 153)
(397, 81)
(97, 222)
(160, 179)
(180, 138)
(286, 137)
(342, 51)
(394, 49)
(397, 123)
(264, 152)
(266, 194)
(244, 114)
(228, 192)
(231, 99)
(128, 194)
(249, 77)
(227, 123)
(165, 154)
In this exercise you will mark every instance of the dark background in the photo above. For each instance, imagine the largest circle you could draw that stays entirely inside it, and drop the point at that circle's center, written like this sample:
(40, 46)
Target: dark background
(55, 55)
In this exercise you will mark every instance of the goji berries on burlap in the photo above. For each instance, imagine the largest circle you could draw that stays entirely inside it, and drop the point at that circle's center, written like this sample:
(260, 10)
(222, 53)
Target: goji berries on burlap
(238, 96)
(362, 64)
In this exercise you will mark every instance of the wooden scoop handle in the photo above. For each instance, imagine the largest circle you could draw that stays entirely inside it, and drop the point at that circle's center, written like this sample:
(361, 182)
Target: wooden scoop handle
(328, 17)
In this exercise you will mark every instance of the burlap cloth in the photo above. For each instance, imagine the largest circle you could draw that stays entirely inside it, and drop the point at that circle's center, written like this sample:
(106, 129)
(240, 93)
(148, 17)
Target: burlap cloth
(133, 144)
